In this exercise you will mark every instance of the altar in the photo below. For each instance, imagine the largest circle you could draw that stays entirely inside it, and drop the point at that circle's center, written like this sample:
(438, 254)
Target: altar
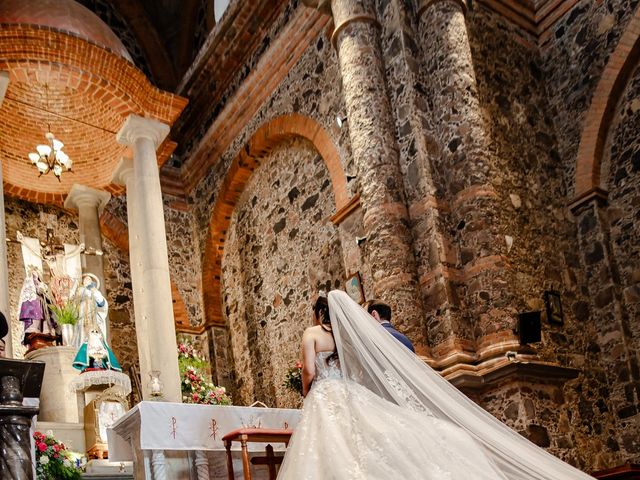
(175, 440)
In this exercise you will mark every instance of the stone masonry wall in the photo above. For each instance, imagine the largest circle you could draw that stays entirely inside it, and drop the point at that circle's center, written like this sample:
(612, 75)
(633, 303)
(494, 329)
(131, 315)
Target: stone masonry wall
(623, 212)
(311, 88)
(573, 62)
(576, 422)
(280, 251)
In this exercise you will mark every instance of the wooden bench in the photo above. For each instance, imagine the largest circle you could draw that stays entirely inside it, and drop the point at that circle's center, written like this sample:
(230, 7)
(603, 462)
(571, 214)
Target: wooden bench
(260, 435)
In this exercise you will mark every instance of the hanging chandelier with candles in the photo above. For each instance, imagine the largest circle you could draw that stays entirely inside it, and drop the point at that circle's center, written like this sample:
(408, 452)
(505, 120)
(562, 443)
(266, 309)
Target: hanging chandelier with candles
(50, 157)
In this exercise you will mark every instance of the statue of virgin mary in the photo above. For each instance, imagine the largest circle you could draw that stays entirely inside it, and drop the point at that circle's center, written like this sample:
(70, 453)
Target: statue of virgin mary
(90, 332)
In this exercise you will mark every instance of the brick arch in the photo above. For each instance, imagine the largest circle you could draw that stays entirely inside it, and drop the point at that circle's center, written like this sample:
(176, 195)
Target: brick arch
(261, 143)
(598, 119)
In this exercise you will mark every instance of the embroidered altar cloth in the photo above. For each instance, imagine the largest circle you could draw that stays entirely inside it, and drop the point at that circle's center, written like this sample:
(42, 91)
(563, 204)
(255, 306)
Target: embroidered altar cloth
(184, 426)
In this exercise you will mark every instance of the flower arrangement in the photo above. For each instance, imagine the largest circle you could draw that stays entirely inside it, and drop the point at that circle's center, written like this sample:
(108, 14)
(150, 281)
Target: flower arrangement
(62, 304)
(196, 387)
(54, 461)
(293, 378)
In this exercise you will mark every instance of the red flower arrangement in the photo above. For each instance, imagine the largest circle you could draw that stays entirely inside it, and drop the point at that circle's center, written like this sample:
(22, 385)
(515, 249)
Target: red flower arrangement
(196, 388)
(54, 461)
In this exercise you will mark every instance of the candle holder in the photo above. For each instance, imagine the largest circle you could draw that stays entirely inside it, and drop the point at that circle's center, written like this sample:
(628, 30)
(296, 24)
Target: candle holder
(155, 385)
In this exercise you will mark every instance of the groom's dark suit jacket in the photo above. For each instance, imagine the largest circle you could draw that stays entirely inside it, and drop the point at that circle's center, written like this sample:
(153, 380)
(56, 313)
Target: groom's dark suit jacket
(403, 339)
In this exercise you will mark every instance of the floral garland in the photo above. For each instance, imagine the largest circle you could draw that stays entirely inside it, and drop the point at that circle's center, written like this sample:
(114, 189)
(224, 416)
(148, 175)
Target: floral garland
(196, 388)
(54, 461)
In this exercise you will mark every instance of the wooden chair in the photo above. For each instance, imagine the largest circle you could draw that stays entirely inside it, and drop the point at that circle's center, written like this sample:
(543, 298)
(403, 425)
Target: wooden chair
(260, 435)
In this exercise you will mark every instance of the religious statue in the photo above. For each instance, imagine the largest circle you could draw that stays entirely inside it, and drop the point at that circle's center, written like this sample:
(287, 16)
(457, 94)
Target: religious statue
(90, 332)
(33, 309)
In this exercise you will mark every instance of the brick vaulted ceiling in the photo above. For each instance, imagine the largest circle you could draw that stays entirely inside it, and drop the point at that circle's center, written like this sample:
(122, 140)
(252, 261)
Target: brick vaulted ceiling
(69, 72)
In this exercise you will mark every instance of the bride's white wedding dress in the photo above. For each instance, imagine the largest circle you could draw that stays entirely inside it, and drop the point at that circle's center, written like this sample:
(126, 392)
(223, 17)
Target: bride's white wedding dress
(380, 413)
(348, 432)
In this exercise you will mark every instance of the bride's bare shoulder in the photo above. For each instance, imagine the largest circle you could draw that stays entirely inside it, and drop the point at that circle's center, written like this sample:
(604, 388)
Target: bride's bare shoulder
(312, 330)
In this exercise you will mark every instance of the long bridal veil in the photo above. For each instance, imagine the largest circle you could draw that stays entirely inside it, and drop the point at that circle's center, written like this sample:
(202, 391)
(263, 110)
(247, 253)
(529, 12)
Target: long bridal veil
(373, 358)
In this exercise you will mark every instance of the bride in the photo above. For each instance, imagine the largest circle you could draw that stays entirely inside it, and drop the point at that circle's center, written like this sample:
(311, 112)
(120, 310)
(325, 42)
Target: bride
(374, 411)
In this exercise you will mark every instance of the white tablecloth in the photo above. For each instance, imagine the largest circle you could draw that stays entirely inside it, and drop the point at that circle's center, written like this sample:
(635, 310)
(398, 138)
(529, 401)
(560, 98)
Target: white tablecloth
(182, 426)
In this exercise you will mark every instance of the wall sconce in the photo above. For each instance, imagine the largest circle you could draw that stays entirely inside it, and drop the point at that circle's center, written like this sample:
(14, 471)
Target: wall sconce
(351, 176)
(360, 240)
(341, 120)
(529, 327)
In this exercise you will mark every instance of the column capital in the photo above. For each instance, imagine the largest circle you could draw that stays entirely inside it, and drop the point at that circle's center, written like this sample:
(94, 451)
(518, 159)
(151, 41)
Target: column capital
(136, 127)
(423, 5)
(81, 195)
(4, 84)
(347, 12)
(123, 172)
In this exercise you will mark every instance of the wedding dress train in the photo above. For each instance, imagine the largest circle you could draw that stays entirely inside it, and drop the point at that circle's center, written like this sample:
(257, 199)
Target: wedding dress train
(379, 413)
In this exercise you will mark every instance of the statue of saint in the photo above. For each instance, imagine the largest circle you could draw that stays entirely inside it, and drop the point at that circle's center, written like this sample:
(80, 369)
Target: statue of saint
(33, 307)
(90, 332)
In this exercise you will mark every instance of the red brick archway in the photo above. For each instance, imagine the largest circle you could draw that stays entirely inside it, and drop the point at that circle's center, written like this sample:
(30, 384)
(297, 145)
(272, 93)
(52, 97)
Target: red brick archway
(260, 144)
(603, 104)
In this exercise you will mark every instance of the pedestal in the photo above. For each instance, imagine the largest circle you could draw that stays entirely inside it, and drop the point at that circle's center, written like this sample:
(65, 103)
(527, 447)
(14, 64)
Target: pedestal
(57, 403)
(17, 380)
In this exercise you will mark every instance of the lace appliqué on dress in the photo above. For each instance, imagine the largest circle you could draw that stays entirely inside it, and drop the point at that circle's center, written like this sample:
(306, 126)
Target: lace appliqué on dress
(405, 393)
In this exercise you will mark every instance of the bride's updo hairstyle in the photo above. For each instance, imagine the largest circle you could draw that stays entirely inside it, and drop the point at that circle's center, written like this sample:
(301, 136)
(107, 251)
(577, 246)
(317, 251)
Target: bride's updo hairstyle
(321, 312)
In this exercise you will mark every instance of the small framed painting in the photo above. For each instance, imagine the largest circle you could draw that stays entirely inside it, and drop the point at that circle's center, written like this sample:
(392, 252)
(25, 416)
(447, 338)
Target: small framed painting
(353, 287)
(554, 307)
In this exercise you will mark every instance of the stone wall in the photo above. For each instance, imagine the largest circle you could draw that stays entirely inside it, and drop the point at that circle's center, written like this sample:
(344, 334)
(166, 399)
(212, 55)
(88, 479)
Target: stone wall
(529, 104)
(573, 61)
(617, 304)
(280, 251)
(184, 260)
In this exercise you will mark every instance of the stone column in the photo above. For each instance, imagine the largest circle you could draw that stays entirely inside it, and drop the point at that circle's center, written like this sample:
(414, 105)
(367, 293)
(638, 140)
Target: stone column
(375, 152)
(466, 166)
(4, 269)
(123, 175)
(89, 202)
(148, 242)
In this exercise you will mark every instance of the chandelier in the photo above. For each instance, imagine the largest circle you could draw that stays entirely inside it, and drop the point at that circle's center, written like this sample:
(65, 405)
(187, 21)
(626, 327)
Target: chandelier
(50, 157)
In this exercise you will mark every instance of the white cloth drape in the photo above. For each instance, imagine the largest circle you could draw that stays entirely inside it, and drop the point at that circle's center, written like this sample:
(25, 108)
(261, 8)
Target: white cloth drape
(31, 255)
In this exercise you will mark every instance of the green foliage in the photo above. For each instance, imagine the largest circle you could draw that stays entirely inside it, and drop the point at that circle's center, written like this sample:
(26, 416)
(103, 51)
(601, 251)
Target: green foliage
(65, 314)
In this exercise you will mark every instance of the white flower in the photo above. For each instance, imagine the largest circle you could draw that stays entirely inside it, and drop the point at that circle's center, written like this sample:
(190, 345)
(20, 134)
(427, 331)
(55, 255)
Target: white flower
(44, 460)
(66, 463)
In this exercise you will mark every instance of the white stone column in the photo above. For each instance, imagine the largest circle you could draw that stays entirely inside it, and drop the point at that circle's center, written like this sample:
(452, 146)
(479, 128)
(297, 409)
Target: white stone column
(89, 202)
(4, 269)
(148, 242)
(123, 175)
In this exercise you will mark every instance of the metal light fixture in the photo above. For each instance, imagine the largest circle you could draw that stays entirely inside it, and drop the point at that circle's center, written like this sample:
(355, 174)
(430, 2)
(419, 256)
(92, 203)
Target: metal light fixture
(50, 157)
(340, 120)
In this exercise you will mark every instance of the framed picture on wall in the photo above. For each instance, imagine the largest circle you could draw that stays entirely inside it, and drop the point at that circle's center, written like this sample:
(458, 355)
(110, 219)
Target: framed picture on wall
(353, 287)
(554, 307)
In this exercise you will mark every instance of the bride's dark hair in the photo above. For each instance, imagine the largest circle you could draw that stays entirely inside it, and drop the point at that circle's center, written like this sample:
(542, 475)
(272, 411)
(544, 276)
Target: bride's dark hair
(321, 312)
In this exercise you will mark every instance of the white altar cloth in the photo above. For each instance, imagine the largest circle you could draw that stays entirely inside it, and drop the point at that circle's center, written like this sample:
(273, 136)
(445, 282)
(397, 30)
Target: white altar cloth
(184, 426)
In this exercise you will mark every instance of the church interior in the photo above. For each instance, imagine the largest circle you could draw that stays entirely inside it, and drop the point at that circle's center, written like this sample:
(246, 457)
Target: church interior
(184, 177)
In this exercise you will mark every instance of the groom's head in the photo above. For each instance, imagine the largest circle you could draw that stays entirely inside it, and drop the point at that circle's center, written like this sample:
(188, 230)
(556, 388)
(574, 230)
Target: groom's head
(379, 310)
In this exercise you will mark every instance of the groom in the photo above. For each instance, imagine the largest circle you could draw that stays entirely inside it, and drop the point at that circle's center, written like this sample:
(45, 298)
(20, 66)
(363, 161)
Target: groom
(382, 313)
